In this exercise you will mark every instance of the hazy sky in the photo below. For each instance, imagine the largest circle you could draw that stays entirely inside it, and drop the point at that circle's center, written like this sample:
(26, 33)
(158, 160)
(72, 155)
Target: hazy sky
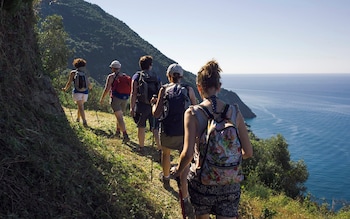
(244, 36)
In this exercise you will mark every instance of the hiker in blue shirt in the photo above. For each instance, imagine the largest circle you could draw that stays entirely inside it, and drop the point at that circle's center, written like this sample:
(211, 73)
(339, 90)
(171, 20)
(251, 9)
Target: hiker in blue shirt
(171, 125)
(144, 85)
(81, 88)
(218, 199)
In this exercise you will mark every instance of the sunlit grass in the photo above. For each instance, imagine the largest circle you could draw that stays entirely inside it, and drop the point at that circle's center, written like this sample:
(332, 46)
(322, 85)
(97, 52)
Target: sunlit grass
(133, 184)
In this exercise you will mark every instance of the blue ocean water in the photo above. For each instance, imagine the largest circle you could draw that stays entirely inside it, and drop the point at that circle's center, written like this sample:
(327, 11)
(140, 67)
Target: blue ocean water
(312, 112)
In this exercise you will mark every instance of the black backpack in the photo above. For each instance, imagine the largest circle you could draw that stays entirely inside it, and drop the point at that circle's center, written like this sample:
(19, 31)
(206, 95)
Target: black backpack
(148, 86)
(80, 81)
(176, 101)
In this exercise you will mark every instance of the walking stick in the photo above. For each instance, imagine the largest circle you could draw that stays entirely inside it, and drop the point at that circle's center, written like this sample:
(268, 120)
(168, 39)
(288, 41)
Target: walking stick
(65, 97)
(152, 159)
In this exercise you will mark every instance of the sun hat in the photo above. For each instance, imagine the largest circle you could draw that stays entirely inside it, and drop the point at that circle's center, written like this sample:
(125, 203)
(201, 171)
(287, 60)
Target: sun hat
(174, 68)
(115, 64)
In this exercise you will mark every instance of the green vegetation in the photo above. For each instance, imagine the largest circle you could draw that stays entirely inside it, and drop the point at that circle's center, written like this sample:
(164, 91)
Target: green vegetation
(53, 48)
(53, 167)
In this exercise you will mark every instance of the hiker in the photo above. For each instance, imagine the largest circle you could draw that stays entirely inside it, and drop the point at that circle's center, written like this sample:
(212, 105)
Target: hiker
(206, 198)
(118, 85)
(175, 98)
(144, 85)
(81, 89)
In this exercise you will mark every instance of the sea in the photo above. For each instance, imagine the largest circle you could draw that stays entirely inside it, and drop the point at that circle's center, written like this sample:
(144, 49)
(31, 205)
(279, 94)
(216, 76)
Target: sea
(312, 112)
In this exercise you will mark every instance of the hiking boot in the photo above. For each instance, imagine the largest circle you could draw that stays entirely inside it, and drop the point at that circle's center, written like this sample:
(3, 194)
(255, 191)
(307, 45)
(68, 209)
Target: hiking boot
(140, 150)
(117, 135)
(126, 138)
(85, 124)
(189, 211)
(77, 120)
(164, 180)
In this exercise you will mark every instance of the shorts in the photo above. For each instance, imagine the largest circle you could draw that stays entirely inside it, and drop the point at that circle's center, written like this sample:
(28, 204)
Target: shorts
(216, 200)
(80, 96)
(172, 142)
(118, 104)
(143, 113)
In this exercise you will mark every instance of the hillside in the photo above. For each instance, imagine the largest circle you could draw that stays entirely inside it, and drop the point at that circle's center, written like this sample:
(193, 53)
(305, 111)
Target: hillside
(52, 167)
(106, 38)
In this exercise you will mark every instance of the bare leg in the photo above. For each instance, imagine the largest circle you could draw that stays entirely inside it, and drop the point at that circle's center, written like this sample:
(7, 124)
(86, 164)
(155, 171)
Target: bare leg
(120, 120)
(157, 138)
(166, 161)
(141, 135)
(81, 113)
(78, 114)
(80, 104)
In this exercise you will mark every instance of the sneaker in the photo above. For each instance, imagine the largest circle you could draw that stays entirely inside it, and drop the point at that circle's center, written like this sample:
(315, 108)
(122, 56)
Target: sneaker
(126, 138)
(164, 180)
(189, 211)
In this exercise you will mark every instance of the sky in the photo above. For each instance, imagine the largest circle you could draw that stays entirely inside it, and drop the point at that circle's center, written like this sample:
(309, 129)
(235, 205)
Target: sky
(244, 36)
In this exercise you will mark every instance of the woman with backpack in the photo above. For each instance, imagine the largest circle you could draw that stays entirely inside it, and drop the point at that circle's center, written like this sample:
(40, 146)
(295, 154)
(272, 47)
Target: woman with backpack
(172, 101)
(81, 89)
(208, 194)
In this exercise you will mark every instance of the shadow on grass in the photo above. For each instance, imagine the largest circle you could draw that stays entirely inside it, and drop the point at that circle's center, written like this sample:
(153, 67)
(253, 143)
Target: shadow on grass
(51, 174)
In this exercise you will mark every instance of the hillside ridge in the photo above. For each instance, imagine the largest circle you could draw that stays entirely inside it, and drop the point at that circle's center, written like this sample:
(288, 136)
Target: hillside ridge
(106, 38)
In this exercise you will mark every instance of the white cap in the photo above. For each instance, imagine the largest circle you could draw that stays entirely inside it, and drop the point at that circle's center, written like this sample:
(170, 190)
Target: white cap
(174, 68)
(115, 64)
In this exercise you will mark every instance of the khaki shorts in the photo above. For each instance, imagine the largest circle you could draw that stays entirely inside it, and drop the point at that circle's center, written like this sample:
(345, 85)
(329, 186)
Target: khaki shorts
(118, 104)
(172, 142)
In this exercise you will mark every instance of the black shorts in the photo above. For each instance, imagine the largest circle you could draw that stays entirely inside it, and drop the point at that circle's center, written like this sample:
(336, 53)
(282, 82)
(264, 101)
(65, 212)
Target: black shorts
(143, 112)
(216, 200)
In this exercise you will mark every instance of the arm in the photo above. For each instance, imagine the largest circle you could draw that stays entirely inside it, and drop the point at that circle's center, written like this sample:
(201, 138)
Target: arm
(89, 83)
(107, 87)
(70, 79)
(247, 149)
(186, 155)
(192, 96)
(157, 108)
(133, 96)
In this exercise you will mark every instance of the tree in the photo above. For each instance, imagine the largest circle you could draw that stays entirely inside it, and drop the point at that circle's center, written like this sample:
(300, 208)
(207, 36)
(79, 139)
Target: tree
(271, 166)
(52, 40)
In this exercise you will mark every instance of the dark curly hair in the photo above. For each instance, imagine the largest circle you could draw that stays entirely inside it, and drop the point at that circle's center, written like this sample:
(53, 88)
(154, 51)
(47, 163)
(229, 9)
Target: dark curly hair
(145, 62)
(79, 62)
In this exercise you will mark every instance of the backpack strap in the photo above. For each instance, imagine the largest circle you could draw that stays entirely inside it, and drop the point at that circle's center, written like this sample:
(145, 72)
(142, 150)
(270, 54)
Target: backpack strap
(115, 77)
(188, 91)
(206, 111)
(223, 114)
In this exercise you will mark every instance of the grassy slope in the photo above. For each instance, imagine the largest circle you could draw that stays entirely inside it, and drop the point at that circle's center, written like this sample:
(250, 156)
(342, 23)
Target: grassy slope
(147, 195)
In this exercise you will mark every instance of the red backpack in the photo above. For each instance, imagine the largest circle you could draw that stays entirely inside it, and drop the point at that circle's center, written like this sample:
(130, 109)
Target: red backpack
(121, 86)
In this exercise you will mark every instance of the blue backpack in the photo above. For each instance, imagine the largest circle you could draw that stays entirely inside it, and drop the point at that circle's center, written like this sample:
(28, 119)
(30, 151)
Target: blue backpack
(176, 101)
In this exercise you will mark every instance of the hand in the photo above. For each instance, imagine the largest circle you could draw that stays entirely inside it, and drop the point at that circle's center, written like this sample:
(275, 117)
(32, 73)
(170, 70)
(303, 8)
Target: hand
(174, 172)
(153, 100)
(63, 89)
